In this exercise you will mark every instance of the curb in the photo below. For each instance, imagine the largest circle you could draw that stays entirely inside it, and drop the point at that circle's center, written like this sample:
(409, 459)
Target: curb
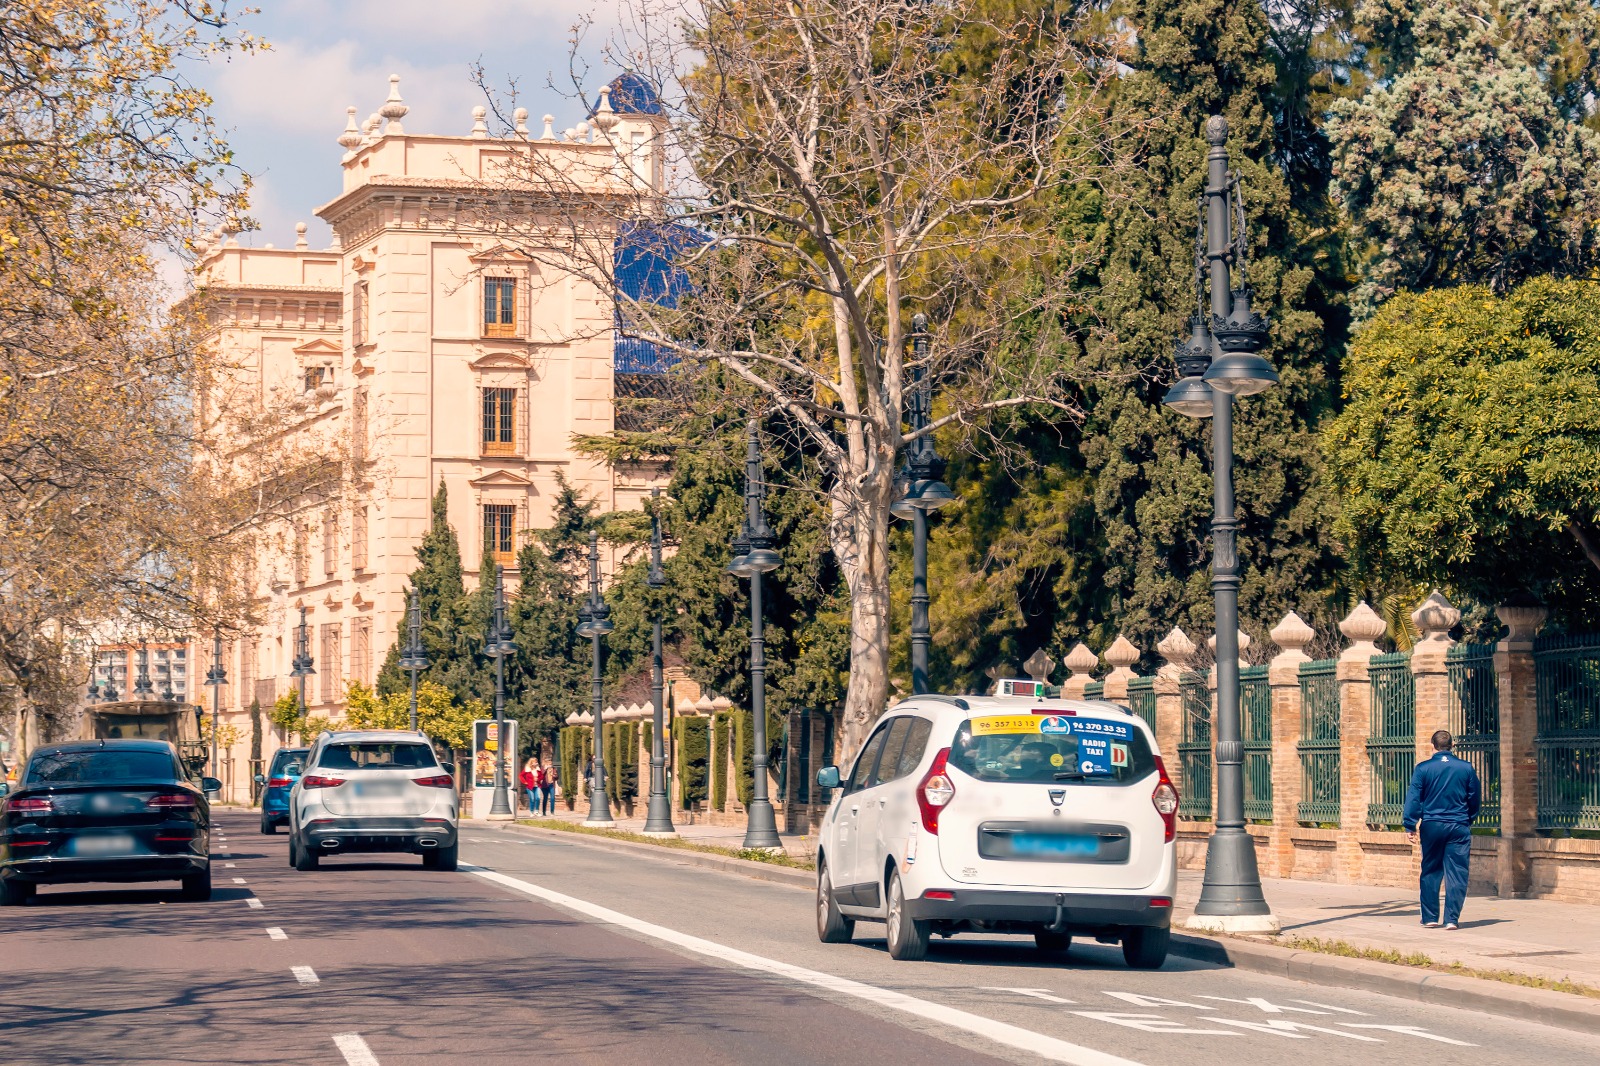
(1562, 1010)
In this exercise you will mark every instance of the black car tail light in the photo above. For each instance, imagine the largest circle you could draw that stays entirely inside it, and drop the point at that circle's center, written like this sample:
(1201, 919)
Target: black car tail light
(29, 805)
(171, 802)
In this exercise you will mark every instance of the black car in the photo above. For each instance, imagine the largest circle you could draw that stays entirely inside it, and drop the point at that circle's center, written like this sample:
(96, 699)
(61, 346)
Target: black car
(105, 810)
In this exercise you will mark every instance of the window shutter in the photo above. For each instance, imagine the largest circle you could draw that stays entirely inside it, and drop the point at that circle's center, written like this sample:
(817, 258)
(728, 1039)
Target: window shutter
(524, 305)
(358, 426)
(483, 423)
(522, 448)
(358, 314)
(521, 529)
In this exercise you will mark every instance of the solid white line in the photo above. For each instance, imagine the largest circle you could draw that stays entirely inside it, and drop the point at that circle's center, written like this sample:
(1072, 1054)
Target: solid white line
(305, 975)
(252, 901)
(354, 1049)
(277, 934)
(1001, 1033)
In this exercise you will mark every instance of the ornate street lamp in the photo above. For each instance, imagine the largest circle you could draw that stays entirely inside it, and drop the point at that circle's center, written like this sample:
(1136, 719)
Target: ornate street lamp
(1216, 364)
(658, 816)
(594, 622)
(303, 662)
(142, 688)
(216, 677)
(499, 647)
(414, 656)
(922, 489)
(753, 556)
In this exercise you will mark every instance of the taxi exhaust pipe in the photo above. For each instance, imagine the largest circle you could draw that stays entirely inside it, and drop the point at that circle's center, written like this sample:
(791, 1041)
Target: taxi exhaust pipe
(329, 845)
(427, 842)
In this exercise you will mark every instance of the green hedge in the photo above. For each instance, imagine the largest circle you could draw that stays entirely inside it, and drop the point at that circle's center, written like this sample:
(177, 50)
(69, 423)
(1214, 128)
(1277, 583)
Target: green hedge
(744, 749)
(721, 733)
(577, 745)
(692, 737)
(622, 761)
(644, 754)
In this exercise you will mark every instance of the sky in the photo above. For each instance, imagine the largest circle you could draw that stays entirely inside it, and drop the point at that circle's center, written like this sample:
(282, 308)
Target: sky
(284, 108)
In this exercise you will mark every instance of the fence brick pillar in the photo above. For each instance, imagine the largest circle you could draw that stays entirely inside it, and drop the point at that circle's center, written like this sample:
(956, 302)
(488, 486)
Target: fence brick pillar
(1178, 651)
(1433, 619)
(1353, 673)
(1519, 720)
(1081, 661)
(1283, 675)
(1121, 655)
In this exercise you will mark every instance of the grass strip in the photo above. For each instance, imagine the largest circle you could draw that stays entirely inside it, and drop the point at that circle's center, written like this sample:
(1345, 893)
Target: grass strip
(1347, 950)
(676, 843)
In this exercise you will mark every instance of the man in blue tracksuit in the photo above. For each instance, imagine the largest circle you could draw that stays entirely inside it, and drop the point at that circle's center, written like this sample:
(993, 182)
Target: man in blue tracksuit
(1444, 797)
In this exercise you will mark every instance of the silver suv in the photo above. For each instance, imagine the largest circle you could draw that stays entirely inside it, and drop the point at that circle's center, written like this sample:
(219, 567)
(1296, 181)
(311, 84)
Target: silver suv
(374, 790)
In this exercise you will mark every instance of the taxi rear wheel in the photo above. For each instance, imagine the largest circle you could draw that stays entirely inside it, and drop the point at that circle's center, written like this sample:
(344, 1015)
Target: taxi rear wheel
(832, 927)
(1145, 947)
(908, 938)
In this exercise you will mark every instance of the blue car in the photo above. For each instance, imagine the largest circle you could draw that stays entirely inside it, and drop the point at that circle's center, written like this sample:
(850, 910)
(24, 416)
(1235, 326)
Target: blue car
(287, 766)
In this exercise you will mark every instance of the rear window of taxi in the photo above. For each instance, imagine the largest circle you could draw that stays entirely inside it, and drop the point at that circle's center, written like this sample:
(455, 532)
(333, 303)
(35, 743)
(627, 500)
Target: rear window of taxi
(1047, 749)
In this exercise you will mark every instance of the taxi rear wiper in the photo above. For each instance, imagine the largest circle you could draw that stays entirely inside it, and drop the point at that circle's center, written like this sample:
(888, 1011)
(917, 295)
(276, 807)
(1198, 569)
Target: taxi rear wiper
(1074, 775)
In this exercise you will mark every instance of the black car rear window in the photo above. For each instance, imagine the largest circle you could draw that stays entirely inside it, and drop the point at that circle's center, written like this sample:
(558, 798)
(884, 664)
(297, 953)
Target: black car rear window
(376, 755)
(107, 764)
(283, 758)
(1051, 748)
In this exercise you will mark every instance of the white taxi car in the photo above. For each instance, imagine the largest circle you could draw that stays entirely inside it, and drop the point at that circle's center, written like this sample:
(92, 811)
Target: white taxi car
(1002, 814)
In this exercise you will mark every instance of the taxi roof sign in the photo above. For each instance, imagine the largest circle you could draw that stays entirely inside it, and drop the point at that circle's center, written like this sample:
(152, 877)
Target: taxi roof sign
(1013, 687)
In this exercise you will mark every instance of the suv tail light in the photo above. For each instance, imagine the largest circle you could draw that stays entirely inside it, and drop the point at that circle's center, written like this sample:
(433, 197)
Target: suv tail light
(170, 801)
(1165, 799)
(279, 782)
(935, 791)
(437, 781)
(29, 805)
(313, 781)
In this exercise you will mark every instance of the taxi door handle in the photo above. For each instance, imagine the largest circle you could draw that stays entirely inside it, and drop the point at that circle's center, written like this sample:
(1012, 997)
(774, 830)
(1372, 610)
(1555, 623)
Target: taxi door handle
(856, 809)
(882, 803)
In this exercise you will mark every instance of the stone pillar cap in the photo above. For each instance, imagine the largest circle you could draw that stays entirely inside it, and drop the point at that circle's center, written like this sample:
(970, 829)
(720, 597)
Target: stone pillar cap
(1080, 660)
(1435, 617)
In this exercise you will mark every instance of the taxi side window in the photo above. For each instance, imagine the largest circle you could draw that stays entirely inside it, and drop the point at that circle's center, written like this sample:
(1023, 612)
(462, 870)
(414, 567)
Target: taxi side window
(867, 760)
(898, 728)
(911, 754)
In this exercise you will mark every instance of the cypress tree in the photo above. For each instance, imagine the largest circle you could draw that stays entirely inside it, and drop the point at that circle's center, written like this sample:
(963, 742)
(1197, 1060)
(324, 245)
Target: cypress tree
(441, 589)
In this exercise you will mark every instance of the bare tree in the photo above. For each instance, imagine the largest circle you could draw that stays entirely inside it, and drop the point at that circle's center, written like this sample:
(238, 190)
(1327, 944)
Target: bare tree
(818, 171)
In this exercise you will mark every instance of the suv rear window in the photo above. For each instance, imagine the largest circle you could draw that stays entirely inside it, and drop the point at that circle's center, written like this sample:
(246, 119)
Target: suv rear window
(108, 764)
(1048, 749)
(288, 757)
(376, 755)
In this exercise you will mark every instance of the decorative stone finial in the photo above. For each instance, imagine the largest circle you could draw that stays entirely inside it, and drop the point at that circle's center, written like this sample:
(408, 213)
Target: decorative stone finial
(1122, 654)
(1177, 648)
(350, 139)
(605, 119)
(480, 129)
(369, 128)
(1082, 661)
(231, 229)
(1521, 620)
(394, 109)
(520, 117)
(300, 235)
(1292, 634)
(1039, 665)
(336, 244)
(1244, 642)
(1216, 130)
(549, 133)
(1362, 628)
(583, 131)
(1435, 617)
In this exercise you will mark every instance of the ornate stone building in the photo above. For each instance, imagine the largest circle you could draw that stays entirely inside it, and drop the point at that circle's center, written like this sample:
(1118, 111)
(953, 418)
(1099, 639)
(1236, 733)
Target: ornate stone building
(437, 353)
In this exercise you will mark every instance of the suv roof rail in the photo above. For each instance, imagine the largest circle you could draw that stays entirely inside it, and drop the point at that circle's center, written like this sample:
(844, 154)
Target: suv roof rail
(955, 701)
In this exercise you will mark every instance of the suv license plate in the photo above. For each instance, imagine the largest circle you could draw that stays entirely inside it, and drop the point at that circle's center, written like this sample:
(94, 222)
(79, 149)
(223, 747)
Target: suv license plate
(376, 789)
(1055, 844)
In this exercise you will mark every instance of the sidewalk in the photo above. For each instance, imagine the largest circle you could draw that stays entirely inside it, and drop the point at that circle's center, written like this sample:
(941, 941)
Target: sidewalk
(1533, 937)
(1530, 937)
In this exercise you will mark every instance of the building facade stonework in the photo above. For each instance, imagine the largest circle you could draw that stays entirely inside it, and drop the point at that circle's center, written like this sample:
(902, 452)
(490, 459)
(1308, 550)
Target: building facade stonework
(430, 351)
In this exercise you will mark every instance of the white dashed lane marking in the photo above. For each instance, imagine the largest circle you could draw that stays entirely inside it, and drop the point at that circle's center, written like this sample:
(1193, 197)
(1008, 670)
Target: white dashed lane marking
(305, 975)
(354, 1049)
(253, 902)
(277, 934)
(238, 880)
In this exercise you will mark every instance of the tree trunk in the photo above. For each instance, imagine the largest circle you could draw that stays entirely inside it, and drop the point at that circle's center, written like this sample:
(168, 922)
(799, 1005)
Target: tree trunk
(860, 536)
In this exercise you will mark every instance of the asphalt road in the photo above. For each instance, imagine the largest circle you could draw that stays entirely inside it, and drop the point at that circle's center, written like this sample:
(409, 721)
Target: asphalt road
(548, 951)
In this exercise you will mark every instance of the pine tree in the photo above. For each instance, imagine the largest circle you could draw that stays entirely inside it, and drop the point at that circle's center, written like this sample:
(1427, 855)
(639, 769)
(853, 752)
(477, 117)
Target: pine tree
(442, 592)
(1151, 467)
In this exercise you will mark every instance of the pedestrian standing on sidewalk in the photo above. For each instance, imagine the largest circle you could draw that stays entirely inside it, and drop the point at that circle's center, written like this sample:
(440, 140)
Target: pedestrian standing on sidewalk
(1444, 798)
(530, 784)
(547, 794)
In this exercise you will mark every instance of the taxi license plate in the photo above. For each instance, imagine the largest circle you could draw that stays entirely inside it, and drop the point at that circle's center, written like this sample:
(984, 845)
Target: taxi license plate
(1055, 844)
(103, 844)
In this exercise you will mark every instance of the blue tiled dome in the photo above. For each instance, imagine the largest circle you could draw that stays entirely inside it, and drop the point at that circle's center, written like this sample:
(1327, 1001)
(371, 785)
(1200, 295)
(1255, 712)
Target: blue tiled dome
(632, 94)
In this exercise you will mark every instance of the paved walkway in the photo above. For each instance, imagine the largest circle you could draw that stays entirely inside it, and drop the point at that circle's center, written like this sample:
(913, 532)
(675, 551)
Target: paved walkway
(1538, 938)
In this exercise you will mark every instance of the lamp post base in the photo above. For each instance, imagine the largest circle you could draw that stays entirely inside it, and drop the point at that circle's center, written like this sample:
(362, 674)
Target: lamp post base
(499, 816)
(1234, 924)
(658, 819)
(761, 827)
(599, 823)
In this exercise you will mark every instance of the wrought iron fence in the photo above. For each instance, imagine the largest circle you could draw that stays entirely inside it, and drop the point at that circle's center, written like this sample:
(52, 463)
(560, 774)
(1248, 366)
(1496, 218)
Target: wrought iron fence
(1474, 721)
(1567, 743)
(1391, 738)
(1094, 690)
(1194, 750)
(1142, 699)
(1319, 743)
(1255, 726)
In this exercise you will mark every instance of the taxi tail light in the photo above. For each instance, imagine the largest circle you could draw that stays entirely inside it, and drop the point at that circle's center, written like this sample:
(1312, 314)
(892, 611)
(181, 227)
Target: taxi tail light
(1165, 800)
(29, 805)
(313, 781)
(437, 781)
(171, 801)
(279, 782)
(935, 791)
